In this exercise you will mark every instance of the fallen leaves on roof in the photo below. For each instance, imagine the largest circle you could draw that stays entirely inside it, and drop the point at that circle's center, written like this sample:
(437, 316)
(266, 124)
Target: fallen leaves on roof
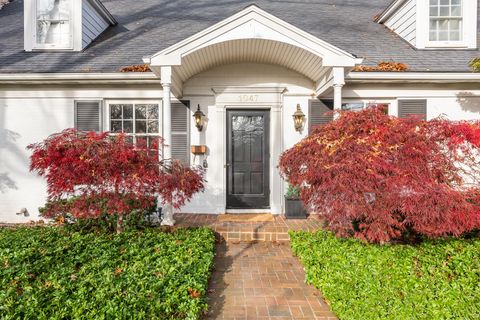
(136, 68)
(475, 65)
(383, 66)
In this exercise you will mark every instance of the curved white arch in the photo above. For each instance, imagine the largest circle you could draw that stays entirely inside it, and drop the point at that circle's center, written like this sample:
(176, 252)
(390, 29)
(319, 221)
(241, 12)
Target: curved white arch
(251, 35)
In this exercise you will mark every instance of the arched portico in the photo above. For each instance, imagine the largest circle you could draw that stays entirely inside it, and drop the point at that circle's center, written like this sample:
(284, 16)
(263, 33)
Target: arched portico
(250, 36)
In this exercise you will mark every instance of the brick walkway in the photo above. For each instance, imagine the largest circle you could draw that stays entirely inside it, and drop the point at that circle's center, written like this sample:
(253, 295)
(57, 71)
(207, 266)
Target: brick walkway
(249, 231)
(262, 280)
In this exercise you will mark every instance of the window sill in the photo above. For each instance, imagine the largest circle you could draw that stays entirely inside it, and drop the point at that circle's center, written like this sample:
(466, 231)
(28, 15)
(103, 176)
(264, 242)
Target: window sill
(446, 45)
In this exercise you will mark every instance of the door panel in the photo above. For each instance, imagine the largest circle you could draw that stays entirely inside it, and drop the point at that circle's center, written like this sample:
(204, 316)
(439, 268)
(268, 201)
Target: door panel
(248, 159)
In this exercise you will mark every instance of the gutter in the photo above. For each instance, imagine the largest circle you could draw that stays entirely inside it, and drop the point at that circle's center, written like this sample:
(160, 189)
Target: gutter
(413, 77)
(80, 78)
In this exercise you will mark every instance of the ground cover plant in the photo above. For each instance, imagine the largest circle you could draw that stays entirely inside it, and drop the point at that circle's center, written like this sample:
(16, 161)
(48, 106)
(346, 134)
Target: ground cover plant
(91, 174)
(53, 273)
(381, 178)
(437, 279)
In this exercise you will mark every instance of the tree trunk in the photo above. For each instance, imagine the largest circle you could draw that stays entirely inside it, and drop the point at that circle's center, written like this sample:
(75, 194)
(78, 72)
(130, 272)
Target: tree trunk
(120, 224)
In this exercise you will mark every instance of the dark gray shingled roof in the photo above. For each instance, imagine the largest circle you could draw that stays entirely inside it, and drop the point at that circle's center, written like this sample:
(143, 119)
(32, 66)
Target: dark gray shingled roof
(147, 26)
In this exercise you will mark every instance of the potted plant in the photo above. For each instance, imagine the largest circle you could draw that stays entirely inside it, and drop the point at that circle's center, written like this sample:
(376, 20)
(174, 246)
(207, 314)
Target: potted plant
(294, 208)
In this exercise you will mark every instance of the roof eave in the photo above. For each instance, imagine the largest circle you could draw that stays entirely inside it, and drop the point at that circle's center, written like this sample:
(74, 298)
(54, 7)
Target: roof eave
(98, 5)
(392, 8)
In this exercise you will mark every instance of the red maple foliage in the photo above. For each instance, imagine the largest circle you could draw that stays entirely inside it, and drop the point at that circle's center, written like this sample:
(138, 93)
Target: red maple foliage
(100, 172)
(378, 177)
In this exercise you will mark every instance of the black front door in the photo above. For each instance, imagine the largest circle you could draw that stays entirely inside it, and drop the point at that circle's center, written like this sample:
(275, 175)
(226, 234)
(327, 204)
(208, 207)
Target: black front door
(248, 159)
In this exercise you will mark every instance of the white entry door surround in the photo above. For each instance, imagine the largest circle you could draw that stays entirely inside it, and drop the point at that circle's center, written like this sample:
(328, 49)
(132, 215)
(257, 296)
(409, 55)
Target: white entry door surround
(251, 98)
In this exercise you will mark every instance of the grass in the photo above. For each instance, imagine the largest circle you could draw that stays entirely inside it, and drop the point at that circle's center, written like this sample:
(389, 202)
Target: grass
(434, 280)
(52, 273)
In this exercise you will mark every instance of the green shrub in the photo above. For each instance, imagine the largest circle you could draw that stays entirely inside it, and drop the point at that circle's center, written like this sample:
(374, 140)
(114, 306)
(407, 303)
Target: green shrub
(105, 222)
(434, 280)
(54, 273)
(293, 192)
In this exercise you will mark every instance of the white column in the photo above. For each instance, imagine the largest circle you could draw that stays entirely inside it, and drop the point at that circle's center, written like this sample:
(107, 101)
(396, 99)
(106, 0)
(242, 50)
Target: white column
(166, 81)
(338, 83)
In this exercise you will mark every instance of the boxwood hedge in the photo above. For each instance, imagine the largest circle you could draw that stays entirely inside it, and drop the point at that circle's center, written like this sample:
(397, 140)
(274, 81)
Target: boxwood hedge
(53, 273)
(433, 280)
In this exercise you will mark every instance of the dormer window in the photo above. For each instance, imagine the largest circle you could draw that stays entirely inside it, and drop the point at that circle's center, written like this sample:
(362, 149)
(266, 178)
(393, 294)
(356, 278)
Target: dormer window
(433, 24)
(446, 20)
(65, 25)
(53, 24)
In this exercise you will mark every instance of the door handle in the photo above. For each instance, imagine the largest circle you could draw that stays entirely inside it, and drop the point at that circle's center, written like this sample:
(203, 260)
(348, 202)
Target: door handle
(226, 165)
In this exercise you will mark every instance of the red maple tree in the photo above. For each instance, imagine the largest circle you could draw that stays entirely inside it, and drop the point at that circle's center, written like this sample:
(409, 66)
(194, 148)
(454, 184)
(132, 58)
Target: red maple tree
(99, 172)
(378, 177)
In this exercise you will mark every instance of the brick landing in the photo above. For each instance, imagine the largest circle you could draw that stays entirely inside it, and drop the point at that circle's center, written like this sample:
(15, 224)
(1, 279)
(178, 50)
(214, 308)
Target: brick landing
(249, 231)
(262, 280)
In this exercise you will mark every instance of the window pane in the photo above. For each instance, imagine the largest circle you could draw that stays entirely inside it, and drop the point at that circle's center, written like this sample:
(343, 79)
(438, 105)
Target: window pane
(433, 11)
(444, 11)
(128, 126)
(116, 126)
(53, 22)
(433, 2)
(443, 25)
(115, 111)
(444, 2)
(152, 111)
(456, 11)
(454, 25)
(384, 106)
(454, 35)
(433, 36)
(140, 111)
(443, 36)
(140, 126)
(142, 141)
(127, 111)
(152, 126)
(352, 106)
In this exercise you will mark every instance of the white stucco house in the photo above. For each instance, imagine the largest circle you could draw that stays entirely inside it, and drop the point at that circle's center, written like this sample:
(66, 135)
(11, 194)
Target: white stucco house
(248, 66)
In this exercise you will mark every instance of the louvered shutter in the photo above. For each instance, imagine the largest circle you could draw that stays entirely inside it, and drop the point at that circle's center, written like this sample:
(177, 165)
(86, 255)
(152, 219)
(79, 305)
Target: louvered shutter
(320, 113)
(412, 107)
(180, 134)
(88, 116)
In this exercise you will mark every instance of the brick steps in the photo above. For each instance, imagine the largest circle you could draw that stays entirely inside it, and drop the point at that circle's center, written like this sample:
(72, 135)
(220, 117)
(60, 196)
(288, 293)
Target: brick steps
(273, 231)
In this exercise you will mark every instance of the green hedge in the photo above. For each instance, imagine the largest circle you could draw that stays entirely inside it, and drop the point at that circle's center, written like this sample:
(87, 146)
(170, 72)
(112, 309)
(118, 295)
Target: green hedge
(52, 273)
(434, 280)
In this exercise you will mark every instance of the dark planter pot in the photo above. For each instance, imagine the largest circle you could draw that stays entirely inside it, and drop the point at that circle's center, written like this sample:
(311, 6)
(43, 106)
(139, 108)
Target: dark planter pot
(294, 209)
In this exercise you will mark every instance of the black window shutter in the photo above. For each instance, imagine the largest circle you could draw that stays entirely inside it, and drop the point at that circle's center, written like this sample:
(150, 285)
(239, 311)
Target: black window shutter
(412, 107)
(88, 116)
(180, 134)
(320, 113)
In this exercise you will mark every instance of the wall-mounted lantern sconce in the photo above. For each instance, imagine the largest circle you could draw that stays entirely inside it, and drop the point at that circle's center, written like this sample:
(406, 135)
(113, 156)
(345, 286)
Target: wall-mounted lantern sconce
(298, 119)
(199, 117)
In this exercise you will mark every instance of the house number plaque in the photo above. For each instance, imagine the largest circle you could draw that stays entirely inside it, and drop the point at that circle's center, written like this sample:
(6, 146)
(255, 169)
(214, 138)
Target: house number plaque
(248, 98)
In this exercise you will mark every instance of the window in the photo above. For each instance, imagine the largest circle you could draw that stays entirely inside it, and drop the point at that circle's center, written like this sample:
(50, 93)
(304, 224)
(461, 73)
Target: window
(53, 28)
(357, 106)
(446, 20)
(138, 121)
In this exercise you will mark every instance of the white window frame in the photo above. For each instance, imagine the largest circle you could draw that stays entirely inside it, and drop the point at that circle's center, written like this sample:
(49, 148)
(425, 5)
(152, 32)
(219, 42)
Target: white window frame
(391, 104)
(468, 32)
(30, 28)
(107, 116)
